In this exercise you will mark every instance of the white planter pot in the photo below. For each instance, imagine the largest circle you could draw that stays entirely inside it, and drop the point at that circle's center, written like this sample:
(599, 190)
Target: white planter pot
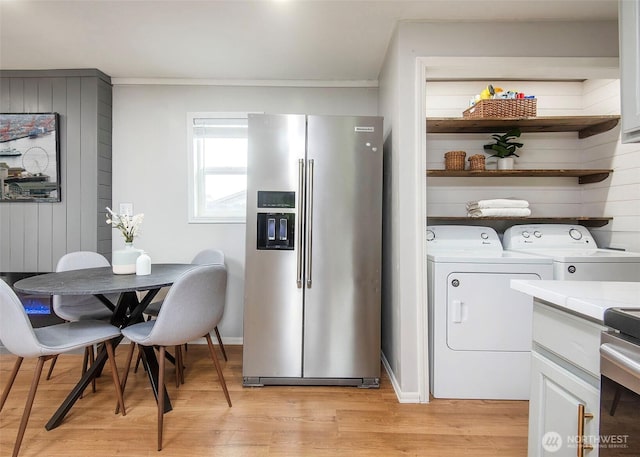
(505, 163)
(123, 261)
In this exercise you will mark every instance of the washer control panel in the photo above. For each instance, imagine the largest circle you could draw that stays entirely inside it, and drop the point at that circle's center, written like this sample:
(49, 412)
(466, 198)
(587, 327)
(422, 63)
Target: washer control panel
(453, 238)
(548, 236)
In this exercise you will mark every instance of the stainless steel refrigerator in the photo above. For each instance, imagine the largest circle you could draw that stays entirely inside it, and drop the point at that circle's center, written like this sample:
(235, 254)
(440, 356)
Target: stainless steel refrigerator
(313, 251)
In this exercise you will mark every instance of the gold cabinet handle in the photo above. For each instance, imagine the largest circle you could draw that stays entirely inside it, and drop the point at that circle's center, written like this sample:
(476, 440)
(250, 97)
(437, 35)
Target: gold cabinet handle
(582, 417)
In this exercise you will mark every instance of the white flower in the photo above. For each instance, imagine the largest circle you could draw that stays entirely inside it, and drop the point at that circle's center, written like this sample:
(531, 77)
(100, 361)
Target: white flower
(129, 226)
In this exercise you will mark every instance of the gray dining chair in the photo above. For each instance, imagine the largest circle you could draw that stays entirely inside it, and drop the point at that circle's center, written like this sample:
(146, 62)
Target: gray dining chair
(74, 308)
(192, 308)
(204, 257)
(21, 339)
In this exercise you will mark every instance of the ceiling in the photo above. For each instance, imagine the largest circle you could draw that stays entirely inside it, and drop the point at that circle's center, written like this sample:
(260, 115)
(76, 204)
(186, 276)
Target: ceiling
(325, 40)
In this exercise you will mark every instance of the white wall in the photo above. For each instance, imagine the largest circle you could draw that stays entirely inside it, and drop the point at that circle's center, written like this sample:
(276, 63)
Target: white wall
(391, 292)
(618, 196)
(411, 42)
(150, 165)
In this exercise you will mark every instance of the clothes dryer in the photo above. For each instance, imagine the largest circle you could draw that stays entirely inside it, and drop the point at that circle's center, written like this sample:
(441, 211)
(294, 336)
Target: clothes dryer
(479, 328)
(574, 252)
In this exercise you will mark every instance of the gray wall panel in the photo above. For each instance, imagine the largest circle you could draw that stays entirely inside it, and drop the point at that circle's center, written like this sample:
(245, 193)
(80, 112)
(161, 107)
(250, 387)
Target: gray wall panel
(19, 91)
(73, 166)
(31, 96)
(89, 161)
(59, 211)
(16, 101)
(45, 95)
(45, 237)
(30, 229)
(43, 232)
(16, 237)
(33, 236)
(104, 163)
(5, 99)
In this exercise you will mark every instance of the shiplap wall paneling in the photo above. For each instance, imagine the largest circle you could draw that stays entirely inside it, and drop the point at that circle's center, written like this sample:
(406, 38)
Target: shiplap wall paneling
(59, 211)
(88, 170)
(33, 236)
(105, 127)
(618, 196)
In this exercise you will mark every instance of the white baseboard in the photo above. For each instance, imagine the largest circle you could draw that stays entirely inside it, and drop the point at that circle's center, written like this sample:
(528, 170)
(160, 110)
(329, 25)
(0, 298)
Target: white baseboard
(403, 397)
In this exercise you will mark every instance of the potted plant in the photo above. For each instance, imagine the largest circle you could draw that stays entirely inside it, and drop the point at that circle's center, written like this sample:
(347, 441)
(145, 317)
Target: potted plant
(504, 148)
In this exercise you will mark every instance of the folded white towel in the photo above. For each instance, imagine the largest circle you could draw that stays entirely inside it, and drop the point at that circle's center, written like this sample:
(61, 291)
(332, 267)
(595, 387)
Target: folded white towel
(500, 212)
(498, 203)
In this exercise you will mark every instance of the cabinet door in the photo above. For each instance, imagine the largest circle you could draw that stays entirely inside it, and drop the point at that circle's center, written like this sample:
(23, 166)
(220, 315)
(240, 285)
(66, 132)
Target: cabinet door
(629, 18)
(554, 418)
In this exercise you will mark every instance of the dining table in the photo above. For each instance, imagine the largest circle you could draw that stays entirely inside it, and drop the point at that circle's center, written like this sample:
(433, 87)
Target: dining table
(126, 295)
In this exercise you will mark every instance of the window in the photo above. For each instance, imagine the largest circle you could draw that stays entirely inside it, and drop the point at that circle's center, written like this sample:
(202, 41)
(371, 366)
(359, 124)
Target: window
(218, 167)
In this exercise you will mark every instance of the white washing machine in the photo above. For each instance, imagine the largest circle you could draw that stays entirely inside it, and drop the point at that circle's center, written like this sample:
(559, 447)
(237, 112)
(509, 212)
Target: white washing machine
(479, 327)
(574, 252)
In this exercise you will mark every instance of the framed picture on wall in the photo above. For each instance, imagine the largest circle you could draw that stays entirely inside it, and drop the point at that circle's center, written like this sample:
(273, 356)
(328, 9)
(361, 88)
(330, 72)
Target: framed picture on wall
(29, 157)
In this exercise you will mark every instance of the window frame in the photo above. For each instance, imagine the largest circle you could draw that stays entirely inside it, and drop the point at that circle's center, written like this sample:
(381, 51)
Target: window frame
(196, 175)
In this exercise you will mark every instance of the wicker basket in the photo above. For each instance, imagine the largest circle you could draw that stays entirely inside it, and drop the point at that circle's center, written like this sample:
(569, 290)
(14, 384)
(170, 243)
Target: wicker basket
(502, 108)
(454, 160)
(476, 162)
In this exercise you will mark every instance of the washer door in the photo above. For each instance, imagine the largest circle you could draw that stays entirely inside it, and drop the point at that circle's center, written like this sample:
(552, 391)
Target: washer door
(485, 314)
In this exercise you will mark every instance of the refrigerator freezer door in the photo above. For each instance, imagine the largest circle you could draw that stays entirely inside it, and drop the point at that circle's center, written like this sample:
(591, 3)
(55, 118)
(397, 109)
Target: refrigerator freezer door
(342, 288)
(273, 302)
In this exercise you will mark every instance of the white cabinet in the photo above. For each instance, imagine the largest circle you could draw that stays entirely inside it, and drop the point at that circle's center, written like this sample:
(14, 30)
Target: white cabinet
(629, 27)
(564, 403)
(560, 402)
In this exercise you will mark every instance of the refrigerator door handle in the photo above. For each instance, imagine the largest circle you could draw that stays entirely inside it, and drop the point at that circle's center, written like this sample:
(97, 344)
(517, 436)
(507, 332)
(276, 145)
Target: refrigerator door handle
(300, 225)
(310, 225)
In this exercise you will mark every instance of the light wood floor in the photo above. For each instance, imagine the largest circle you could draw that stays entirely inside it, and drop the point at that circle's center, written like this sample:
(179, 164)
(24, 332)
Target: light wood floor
(268, 421)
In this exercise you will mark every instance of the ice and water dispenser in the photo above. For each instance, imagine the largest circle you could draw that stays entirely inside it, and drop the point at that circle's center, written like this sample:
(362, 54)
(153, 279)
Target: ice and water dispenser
(276, 229)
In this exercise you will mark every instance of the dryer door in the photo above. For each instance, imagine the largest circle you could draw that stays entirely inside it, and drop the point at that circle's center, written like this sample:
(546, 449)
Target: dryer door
(485, 314)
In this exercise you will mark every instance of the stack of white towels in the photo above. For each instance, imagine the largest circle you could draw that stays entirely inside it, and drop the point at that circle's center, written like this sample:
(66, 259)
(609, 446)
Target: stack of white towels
(499, 207)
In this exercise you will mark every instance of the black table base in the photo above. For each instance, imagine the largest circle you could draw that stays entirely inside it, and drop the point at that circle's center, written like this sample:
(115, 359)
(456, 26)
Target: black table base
(127, 311)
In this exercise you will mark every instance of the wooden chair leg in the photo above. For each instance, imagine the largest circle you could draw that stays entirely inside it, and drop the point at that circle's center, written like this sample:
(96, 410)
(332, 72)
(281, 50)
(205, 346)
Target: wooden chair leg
(218, 368)
(160, 395)
(178, 364)
(224, 353)
(123, 384)
(182, 366)
(29, 404)
(135, 369)
(114, 375)
(92, 359)
(12, 377)
(53, 364)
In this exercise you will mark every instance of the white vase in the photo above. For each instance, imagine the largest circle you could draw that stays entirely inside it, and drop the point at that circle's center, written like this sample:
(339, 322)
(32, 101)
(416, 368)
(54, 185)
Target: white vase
(505, 163)
(143, 264)
(123, 261)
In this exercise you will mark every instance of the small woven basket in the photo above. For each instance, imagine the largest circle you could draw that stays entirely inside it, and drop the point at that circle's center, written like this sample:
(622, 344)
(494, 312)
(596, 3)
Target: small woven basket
(505, 108)
(454, 160)
(476, 162)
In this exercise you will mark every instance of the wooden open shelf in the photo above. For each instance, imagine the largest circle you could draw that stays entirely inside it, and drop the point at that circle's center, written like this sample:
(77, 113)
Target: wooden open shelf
(504, 222)
(584, 176)
(586, 126)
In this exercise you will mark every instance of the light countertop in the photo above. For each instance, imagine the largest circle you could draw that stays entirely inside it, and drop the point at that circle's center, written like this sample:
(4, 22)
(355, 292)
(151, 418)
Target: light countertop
(586, 298)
